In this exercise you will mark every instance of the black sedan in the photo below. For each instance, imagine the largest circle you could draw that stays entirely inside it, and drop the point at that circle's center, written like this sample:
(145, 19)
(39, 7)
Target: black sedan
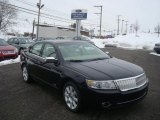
(84, 73)
(157, 48)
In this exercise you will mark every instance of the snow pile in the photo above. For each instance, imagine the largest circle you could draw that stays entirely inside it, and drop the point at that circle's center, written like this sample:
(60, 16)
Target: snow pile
(11, 61)
(98, 43)
(143, 41)
(153, 53)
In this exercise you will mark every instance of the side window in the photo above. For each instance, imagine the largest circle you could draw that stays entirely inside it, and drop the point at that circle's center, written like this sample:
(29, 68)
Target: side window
(36, 49)
(15, 41)
(48, 51)
(10, 40)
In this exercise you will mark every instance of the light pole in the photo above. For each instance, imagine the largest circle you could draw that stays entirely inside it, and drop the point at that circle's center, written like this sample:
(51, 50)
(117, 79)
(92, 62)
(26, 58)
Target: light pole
(118, 24)
(40, 6)
(33, 29)
(131, 28)
(126, 26)
(122, 27)
(100, 31)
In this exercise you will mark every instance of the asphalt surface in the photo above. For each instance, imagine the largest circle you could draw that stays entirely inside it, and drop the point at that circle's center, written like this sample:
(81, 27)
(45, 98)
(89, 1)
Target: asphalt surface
(21, 101)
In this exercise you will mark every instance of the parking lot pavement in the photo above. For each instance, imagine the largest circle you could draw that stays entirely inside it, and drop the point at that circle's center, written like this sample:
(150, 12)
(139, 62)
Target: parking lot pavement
(21, 101)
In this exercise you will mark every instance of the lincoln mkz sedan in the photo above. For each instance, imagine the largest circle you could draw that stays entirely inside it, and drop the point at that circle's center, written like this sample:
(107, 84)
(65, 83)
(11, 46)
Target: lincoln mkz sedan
(84, 73)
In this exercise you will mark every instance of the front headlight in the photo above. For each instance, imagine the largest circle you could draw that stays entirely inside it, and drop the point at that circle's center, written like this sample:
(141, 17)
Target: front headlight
(101, 84)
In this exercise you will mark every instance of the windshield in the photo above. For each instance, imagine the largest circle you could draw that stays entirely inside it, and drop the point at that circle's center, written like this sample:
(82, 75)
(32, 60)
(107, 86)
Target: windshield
(3, 42)
(81, 52)
(25, 40)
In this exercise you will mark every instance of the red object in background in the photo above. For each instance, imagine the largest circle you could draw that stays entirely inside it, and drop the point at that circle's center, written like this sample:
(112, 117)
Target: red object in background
(7, 51)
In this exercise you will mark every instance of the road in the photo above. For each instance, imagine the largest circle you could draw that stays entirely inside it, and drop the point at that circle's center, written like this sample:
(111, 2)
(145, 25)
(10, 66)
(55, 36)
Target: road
(21, 101)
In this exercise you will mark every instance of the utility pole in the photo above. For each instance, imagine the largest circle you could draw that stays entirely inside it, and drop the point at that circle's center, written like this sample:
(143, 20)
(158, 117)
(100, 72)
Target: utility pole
(158, 30)
(100, 31)
(118, 24)
(122, 26)
(33, 29)
(40, 6)
(126, 26)
(131, 28)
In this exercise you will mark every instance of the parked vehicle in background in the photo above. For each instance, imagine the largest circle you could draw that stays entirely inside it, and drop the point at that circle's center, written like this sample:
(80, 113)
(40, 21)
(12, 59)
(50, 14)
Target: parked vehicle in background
(157, 48)
(82, 38)
(109, 36)
(7, 51)
(21, 43)
(84, 73)
(43, 38)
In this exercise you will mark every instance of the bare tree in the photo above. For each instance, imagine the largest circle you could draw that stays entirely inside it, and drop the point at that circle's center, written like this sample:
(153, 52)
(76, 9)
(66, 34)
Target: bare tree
(136, 27)
(157, 29)
(8, 15)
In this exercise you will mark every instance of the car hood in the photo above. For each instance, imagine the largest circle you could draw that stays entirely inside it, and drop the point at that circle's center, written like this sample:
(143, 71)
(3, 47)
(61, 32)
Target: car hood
(109, 69)
(8, 47)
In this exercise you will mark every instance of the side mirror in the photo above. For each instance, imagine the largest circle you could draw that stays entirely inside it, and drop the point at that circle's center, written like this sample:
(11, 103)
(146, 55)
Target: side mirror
(29, 48)
(51, 60)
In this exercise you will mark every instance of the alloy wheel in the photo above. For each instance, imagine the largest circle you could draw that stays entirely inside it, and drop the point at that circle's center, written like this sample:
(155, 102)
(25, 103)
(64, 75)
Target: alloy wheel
(25, 74)
(71, 97)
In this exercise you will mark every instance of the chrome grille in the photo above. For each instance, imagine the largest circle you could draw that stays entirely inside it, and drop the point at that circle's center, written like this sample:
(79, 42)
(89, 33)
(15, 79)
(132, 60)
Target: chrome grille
(141, 80)
(8, 52)
(131, 83)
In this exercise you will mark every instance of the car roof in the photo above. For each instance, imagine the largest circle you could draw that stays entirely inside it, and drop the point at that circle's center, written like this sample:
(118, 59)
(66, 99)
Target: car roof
(62, 41)
(21, 37)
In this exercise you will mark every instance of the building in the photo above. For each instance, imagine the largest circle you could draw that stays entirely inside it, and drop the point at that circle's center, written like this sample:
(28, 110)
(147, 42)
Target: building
(58, 31)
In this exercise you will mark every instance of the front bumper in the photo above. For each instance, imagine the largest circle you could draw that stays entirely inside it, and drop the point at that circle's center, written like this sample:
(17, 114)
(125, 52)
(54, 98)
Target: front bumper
(157, 49)
(9, 56)
(115, 97)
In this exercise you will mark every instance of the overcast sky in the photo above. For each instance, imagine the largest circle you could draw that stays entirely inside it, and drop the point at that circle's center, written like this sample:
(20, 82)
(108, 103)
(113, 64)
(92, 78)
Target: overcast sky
(146, 12)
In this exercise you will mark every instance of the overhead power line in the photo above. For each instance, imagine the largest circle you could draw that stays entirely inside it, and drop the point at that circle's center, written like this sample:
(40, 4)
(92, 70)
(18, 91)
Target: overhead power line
(48, 9)
(44, 15)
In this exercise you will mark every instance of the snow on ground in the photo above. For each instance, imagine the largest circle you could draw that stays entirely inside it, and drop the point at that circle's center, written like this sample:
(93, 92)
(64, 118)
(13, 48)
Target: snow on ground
(98, 43)
(153, 53)
(11, 61)
(143, 41)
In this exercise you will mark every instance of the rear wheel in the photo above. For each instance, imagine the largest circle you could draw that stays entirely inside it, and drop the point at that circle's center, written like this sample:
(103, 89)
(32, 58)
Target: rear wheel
(72, 97)
(25, 74)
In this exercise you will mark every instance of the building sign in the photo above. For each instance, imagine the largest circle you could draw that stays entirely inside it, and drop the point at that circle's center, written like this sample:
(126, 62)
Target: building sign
(79, 14)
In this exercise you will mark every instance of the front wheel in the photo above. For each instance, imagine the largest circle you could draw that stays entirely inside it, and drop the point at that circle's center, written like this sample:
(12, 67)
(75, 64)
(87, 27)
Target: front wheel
(72, 97)
(26, 77)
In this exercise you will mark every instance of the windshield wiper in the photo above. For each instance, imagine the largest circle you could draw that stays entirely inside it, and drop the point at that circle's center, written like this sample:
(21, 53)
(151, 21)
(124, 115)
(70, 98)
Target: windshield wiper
(98, 59)
(76, 60)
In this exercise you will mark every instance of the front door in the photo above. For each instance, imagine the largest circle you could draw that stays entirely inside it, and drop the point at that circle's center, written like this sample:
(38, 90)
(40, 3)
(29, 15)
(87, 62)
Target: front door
(50, 72)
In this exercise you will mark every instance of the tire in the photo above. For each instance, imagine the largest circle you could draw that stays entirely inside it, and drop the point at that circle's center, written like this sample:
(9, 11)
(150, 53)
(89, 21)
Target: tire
(72, 98)
(25, 75)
